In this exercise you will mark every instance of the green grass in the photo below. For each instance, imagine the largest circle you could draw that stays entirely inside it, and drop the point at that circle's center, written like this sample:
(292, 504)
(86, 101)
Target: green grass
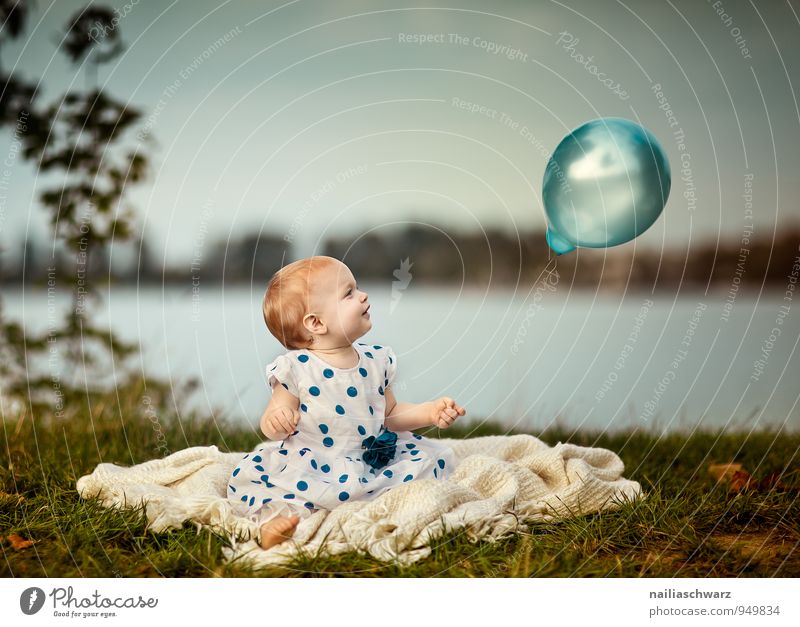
(686, 527)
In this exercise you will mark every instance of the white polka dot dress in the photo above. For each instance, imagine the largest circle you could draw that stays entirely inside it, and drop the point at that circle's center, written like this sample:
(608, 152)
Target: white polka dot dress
(331, 458)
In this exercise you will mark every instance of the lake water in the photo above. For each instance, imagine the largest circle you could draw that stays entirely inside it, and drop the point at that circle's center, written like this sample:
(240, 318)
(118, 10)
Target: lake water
(526, 359)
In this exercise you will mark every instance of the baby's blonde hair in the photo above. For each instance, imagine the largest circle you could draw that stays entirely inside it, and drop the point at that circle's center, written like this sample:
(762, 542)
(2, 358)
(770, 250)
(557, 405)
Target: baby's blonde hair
(286, 301)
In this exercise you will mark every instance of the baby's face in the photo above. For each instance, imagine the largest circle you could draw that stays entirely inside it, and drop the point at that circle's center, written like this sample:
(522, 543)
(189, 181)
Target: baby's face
(337, 300)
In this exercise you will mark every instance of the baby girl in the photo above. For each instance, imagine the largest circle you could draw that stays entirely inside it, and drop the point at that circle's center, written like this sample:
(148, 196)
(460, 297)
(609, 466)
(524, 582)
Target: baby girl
(344, 436)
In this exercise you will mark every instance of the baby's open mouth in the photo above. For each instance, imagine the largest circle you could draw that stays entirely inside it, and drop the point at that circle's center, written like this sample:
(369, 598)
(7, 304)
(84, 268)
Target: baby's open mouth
(366, 311)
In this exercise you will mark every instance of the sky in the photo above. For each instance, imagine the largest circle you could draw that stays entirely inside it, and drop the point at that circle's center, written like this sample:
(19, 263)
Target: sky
(307, 119)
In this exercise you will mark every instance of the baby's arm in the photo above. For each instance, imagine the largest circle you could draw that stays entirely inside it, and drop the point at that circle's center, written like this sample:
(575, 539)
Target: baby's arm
(409, 416)
(281, 416)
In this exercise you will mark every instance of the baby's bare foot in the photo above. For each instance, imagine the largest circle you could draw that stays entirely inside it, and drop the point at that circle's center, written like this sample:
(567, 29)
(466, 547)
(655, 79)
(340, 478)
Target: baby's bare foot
(277, 530)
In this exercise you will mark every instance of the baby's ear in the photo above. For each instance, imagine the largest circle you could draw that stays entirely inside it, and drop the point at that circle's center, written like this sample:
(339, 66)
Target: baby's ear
(313, 324)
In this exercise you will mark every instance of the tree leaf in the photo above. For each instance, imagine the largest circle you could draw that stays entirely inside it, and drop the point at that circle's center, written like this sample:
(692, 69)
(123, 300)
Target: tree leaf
(18, 497)
(19, 543)
(723, 472)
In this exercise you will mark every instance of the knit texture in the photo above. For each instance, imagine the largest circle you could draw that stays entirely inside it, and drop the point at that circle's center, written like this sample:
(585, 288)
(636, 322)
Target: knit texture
(500, 483)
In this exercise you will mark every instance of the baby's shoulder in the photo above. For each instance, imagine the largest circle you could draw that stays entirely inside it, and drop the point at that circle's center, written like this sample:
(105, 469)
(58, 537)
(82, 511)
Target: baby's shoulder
(382, 354)
(288, 360)
(376, 350)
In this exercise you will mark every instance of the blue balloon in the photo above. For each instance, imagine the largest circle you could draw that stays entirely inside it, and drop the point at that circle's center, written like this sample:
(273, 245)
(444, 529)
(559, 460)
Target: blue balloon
(606, 183)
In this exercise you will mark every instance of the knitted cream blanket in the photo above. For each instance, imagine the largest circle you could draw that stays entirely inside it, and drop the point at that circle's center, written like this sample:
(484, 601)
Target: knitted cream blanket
(499, 484)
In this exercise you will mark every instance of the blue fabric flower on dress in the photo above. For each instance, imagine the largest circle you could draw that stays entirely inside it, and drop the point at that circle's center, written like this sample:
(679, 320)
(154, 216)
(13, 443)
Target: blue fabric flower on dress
(380, 450)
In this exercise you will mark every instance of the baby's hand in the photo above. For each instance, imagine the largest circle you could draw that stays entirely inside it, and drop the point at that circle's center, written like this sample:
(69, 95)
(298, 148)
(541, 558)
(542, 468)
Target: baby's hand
(280, 422)
(445, 411)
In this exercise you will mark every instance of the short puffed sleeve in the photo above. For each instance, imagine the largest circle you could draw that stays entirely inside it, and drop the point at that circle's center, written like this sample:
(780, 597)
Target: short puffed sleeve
(282, 370)
(391, 366)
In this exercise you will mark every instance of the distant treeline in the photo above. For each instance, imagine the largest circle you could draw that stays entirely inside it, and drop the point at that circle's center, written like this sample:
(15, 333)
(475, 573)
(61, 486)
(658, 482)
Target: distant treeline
(435, 256)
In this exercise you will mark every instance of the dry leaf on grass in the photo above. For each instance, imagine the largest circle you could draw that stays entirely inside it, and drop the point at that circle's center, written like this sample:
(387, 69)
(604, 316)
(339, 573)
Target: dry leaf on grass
(723, 472)
(18, 542)
(738, 479)
(6, 495)
(742, 480)
(773, 482)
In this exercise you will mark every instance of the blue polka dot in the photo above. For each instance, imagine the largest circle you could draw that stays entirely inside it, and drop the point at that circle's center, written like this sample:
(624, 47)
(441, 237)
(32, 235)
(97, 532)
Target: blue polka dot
(411, 445)
(363, 372)
(391, 361)
(236, 472)
(380, 390)
(314, 390)
(259, 468)
(434, 473)
(303, 407)
(263, 501)
(265, 478)
(314, 464)
(343, 478)
(368, 354)
(377, 348)
(343, 496)
(417, 436)
(386, 383)
(283, 451)
(232, 488)
(408, 477)
(323, 427)
(309, 505)
(302, 358)
(327, 373)
(340, 410)
(328, 441)
(388, 473)
(325, 468)
(284, 385)
(244, 498)
(351, 391)
(371, 411)
(252, 500)
(362, 430)
(441, 463)
(288, 496)
(302, 486)
(257, 458)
